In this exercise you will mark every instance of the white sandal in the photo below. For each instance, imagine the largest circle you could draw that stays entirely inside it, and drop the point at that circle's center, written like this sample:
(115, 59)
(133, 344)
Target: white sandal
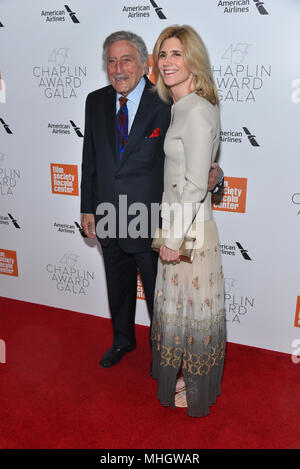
(180, 385)
(180, 399)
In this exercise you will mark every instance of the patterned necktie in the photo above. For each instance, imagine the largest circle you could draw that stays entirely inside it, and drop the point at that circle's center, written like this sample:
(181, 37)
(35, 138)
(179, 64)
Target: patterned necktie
(122, 126)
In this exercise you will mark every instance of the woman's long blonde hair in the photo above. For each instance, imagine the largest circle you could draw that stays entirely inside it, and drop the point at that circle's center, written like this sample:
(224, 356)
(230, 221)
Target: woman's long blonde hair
(196, 59)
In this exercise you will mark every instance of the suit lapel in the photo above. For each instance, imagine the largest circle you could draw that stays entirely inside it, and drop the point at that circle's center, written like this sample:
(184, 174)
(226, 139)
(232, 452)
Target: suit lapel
(110, 111)
(139, 124)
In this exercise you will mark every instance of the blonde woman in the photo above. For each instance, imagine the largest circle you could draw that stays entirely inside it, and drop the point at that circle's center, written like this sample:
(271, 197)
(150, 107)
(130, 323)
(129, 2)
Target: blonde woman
(188, 330)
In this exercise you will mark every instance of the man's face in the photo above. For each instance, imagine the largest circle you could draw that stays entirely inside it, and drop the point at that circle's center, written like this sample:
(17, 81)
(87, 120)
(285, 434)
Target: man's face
(123, 66)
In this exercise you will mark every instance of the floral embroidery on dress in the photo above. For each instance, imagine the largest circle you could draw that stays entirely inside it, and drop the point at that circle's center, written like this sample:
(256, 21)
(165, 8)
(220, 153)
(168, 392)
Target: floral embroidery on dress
(164, 274)
(211, 282)
(177, 340)
(190, 339)
(175, 279)
(207, 302)
(196, 283)
(207, 340)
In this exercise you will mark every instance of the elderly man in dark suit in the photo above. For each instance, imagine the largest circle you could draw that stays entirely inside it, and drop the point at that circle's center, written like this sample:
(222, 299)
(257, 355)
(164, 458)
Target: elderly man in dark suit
(122, 164)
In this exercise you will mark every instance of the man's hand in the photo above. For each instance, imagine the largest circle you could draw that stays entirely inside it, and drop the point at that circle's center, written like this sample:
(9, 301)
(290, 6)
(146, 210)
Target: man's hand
(168, 255)
(88, 225)
(215, 176)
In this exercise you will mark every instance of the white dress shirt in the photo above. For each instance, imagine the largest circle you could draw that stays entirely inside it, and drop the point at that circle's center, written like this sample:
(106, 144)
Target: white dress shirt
(133, 102)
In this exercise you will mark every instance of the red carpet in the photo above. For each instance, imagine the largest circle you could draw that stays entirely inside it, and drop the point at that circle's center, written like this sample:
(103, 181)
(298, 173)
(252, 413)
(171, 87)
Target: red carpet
(53, 394)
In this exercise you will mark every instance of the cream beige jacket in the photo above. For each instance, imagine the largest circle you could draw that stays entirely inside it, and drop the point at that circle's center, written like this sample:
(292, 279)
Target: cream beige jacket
(191, 144)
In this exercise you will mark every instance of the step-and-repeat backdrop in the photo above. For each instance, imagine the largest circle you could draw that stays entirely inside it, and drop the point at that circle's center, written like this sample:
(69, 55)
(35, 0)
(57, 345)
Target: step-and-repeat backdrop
(51, 58)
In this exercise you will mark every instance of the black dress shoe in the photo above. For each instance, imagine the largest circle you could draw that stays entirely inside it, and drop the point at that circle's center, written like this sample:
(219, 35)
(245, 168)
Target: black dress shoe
(114, 355)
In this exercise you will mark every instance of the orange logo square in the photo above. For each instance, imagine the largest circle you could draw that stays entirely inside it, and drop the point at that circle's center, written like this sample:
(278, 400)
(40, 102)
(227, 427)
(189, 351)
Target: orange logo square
(297, 317)
(64, 178)
(151, 72)
(8, 263)
(140, 294)
(234, 197)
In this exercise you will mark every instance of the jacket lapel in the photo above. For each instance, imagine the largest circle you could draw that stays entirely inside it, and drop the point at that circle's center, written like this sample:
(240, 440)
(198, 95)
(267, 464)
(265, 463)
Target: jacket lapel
(139, 124)
(111, 126)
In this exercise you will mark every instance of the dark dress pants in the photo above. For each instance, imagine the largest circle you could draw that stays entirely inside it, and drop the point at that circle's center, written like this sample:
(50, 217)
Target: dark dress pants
(121, 277)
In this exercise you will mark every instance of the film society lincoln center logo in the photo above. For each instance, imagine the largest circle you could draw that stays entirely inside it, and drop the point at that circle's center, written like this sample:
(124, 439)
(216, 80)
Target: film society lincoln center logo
(234, 196)
(8, 263)
(297, 317)
(64, 179)
(140, 293)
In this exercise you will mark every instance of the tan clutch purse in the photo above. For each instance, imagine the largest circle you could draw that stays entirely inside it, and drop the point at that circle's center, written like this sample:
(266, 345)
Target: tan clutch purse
(186, 250)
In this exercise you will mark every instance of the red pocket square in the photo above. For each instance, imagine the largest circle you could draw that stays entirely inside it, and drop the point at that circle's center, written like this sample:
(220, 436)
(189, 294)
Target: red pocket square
(155, 133)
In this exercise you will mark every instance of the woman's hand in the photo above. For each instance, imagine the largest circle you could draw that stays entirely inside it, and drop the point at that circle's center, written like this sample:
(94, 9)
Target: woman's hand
(168, 255)
(215, 176)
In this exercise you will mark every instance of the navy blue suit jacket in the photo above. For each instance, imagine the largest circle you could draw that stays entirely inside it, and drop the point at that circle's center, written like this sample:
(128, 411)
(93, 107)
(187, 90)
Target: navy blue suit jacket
(139, 175)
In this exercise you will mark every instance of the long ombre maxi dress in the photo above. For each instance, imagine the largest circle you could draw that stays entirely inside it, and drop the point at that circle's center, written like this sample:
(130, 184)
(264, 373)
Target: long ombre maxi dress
(189, 325)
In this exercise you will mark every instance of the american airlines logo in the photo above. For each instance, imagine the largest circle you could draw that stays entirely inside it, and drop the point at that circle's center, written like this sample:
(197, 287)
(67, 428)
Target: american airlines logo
(260, 6)
(67, 228)
(241, 6)
(143, 10)
(230, 250)
(251, 137)
(72, 14)
(55, 16)
(158, 10)
(65, 129)
(77, 129)
(80, 230)
(4, 220)
(237, 136)
(244, 252)
(14, 221)
(6, 127)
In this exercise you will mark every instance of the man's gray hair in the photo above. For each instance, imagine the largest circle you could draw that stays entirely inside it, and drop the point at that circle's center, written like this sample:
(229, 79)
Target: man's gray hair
(130, 37)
